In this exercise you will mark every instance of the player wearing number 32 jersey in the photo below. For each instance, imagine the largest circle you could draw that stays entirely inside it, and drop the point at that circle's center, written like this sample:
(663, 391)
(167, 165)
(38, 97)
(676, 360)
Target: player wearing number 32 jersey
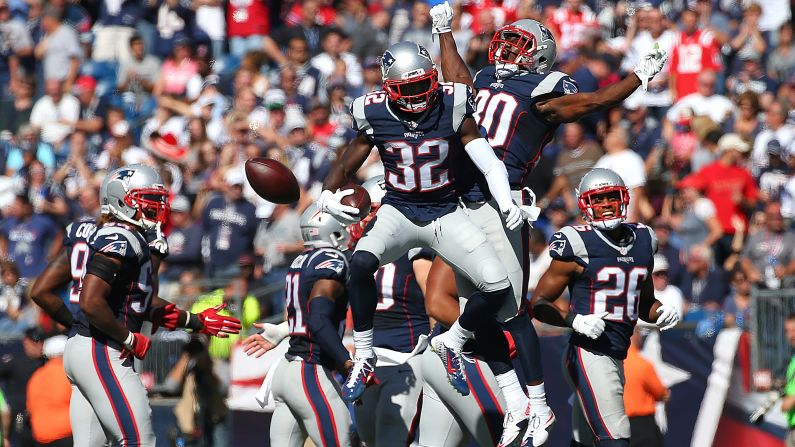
(607, 267)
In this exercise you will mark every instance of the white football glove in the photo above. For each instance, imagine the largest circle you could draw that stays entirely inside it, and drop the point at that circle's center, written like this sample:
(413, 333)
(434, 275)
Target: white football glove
(158, 241)
(329, 202)
(668, 317)
(650, 64)
(513, 216)
(441, 18)
(275, 333)
(591, 325)
(531, 212)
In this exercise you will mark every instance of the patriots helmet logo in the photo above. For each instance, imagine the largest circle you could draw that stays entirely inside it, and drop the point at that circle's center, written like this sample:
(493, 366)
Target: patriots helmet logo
(422, 51)
(545, 32)
(558, 246)
(123, 175)
(387, 60)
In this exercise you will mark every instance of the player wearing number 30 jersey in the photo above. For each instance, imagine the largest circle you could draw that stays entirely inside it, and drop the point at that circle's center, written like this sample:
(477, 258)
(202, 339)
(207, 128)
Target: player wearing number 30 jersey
(607, 267)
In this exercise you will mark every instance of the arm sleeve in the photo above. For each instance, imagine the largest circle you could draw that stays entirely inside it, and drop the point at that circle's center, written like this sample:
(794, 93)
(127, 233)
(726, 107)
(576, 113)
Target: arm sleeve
(321, 328)
(482, 155)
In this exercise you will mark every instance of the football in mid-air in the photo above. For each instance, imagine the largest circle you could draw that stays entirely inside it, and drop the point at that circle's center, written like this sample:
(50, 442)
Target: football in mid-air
(359, 199)
(272, 180)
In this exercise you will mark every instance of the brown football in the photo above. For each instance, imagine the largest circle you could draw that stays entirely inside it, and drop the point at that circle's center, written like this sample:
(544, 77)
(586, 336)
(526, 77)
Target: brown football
(359, 199)
(272, 180)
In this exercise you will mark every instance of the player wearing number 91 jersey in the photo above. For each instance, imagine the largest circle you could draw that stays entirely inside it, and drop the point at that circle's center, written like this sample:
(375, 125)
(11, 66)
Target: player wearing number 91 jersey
(607, 267)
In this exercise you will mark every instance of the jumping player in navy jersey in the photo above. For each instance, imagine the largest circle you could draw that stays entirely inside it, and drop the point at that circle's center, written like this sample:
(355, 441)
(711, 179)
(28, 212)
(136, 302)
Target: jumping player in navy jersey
(308, 400)
(420, 129)
(520, 103)
(389, 410)
(111, 272)
(607, 267)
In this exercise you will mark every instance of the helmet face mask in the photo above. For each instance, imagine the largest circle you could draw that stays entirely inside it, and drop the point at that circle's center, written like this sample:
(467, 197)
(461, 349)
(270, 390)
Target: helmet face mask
(603, 199)
(524, 45)
(411, 80)
(135, 194)
(513, 46)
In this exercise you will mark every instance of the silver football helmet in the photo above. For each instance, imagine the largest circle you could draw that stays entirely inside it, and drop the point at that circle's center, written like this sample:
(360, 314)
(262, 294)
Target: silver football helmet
(410, 76)
(376, 189)
(603, 198)
(525, 44)
(135, 194)
(320, 229)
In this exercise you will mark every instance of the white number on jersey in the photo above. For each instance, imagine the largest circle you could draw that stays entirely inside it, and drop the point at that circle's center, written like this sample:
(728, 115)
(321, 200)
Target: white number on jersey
(77, 264)
(606, 299)
(486, 114)
(387, 289)
(429, 180)
(295, 319)
(145, 287)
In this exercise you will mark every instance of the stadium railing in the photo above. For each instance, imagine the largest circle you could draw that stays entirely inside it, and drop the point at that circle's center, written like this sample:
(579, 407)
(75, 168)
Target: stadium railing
(770, 351)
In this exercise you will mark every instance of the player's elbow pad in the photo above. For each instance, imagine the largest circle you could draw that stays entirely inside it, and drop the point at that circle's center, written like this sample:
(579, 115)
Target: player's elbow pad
(321, 328)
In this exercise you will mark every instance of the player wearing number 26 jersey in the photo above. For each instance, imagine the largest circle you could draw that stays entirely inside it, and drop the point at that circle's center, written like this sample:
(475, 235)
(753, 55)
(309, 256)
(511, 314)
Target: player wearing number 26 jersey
(606, 266)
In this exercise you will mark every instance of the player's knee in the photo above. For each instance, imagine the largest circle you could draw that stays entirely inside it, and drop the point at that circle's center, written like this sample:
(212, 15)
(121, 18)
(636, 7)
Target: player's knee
(363, 263)
(493, 277)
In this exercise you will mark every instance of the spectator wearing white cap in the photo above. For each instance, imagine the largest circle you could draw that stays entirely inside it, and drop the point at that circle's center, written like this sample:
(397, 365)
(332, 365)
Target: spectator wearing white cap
(184, 241)
(628, 165)
(119, 150)
(730, 187)
(229, 224)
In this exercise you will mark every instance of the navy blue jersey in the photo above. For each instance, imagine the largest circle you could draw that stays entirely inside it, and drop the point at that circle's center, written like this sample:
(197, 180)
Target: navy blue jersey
(400, 316)
(611, 282)
(131, 291)
(78, 235)
(508, 120)
(306, 269)
(418, 157)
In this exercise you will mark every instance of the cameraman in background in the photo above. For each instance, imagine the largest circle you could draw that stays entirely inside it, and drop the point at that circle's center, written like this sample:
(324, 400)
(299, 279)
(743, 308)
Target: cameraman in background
(788, 401)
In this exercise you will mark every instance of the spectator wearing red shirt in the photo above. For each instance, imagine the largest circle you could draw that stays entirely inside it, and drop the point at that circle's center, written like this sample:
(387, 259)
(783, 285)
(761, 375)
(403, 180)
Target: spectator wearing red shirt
(730, 187)
(573, 24)
(695, 50)
(247, 21)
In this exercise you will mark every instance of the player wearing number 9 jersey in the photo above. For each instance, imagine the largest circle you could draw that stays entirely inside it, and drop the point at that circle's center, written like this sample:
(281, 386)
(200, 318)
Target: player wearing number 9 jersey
(607, 267)
(419, 127)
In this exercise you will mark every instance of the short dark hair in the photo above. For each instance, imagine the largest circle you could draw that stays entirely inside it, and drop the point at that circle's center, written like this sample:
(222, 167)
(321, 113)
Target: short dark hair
(135, 38)
(790, 317)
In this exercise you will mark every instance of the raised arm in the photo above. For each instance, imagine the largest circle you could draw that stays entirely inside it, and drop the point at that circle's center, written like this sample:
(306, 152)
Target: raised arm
(454, 69)
(568, 108)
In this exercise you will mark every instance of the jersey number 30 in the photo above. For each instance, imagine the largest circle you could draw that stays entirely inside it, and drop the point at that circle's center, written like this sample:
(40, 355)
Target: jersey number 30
(626, 290)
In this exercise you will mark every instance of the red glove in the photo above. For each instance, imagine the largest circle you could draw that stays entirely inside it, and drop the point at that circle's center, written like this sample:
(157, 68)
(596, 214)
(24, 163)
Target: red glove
(137, 345)
(166, 316)
(218, 325)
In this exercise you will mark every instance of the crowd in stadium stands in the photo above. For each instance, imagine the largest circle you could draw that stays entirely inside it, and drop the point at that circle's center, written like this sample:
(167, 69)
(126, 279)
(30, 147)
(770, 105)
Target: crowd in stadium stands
(196, 87)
